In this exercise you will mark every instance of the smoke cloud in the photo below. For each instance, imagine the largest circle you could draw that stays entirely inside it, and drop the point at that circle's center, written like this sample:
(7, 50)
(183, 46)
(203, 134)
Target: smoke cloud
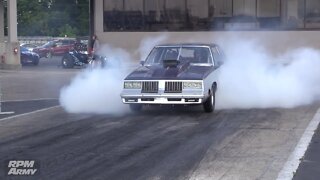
(98, 90)
(148, 43)
(253, 78)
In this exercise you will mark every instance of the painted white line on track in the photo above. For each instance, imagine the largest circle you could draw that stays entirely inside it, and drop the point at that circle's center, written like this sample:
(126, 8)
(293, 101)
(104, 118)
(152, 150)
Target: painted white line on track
(39, 99)
(6, 113)
(294, 159)
(33, 112)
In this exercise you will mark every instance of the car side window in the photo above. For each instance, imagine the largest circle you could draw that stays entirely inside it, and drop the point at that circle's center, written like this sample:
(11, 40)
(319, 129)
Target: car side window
(54, 44)
(64, 42)
(217, 55)
(210, 58)
(58, 44)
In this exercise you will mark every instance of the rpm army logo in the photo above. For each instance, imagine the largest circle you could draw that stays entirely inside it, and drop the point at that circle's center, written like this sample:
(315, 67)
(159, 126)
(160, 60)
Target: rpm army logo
(21, 167)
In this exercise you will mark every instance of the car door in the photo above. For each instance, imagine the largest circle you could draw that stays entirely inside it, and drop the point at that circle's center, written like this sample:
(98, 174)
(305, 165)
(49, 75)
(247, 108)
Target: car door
(61, 47)
(67, 45)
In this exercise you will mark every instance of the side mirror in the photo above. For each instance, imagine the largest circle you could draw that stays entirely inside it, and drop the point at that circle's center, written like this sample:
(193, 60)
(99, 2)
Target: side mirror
(142, 63)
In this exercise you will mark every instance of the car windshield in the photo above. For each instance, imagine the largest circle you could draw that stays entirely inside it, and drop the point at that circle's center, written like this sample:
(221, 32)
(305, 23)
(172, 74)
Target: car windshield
(194, 54)
(29, 45)
(23, 49)
(48, 44)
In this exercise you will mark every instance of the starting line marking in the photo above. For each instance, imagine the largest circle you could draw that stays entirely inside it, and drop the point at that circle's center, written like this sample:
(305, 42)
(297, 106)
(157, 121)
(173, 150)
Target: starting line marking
(33, 112)
(294, 159)
(5, 113)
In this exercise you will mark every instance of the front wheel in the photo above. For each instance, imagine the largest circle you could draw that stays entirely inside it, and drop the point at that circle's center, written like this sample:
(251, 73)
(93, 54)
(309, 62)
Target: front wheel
(67, 61)
(35, 62)
(135, 107)
(209, 104)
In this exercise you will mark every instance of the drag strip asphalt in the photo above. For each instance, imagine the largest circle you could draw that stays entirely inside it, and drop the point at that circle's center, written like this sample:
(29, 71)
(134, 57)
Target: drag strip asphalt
(25, 106)
(169, 143)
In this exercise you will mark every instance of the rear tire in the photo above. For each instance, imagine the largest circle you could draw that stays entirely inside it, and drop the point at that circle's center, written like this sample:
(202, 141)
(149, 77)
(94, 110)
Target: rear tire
(209, 104)
(35, 62)
(135, 107)
(67, 62)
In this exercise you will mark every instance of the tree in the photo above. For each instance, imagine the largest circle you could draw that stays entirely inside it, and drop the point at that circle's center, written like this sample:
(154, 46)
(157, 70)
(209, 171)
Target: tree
(53, 17)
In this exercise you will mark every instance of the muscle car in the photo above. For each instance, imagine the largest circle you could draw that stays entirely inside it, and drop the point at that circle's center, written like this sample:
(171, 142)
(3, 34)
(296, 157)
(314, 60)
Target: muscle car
(175, 74)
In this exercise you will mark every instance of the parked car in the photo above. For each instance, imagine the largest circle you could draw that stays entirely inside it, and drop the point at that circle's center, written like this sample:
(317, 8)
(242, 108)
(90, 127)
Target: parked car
(175, 74)
(29, 46)
(55, 48)
(28, 57)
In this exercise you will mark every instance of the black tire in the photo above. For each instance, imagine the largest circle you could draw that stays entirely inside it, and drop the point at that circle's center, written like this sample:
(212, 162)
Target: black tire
(67, 62)
(209, 104)
(35, 62)
(135, 107)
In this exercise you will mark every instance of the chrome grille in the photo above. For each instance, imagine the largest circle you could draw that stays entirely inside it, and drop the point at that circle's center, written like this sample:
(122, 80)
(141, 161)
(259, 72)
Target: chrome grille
(150, 86)
(173, 87)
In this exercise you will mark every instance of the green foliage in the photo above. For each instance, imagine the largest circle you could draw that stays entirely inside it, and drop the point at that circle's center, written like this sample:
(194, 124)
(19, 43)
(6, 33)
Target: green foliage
(53, 17)
(68, 31)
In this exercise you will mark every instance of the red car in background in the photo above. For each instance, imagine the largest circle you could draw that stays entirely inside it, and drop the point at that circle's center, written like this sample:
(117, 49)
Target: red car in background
(55, 48)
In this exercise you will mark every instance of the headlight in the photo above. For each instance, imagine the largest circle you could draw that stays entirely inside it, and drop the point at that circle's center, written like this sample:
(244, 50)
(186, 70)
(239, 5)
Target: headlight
(132, 85)
(192, 85)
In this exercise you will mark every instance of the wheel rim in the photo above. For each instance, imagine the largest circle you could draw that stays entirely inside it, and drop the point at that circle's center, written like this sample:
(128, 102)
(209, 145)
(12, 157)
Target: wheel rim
(64, 62)
(212, 100)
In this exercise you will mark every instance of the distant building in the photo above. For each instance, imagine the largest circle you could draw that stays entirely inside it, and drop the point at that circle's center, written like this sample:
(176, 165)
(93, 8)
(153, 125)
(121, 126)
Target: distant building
(208, 15)
(182, 17)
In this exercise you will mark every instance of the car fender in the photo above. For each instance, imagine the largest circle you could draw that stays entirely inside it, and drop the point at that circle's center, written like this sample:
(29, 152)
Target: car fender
(210, 83)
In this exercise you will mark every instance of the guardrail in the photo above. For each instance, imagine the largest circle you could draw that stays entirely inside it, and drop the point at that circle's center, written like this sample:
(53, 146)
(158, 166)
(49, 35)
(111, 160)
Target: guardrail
(38, 40)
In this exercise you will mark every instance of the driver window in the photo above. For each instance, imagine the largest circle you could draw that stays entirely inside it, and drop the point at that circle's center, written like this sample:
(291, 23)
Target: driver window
(210, 58)
(59, 44)
(216, 55)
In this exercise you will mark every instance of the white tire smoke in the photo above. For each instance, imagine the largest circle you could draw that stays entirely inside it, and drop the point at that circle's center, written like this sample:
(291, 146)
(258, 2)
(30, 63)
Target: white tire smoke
(98, 90)
(252, 78)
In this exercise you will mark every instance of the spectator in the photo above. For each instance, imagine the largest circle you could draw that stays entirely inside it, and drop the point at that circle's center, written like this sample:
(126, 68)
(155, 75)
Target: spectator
(94, 44)
(78, 45)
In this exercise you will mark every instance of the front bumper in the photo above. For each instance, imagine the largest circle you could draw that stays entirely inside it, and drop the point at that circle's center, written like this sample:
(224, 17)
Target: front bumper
(162, 99)
(163, 92)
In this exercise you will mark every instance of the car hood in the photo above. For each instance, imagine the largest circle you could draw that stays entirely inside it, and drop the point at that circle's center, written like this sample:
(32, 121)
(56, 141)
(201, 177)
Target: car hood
(29, 53)
(189, 72)
(39, 48)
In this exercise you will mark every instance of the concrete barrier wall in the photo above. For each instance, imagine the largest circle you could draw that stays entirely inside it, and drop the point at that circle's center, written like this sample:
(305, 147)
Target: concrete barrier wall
(276, 42)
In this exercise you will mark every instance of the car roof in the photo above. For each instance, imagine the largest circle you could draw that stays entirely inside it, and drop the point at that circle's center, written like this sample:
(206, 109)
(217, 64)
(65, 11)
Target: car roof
(188, 44)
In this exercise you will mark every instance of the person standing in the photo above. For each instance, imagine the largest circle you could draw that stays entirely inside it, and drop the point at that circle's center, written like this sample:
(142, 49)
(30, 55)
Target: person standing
(94, 44)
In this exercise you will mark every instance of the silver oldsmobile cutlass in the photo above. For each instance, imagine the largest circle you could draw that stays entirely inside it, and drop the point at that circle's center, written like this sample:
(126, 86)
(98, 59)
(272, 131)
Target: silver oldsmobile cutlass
(175, 74)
